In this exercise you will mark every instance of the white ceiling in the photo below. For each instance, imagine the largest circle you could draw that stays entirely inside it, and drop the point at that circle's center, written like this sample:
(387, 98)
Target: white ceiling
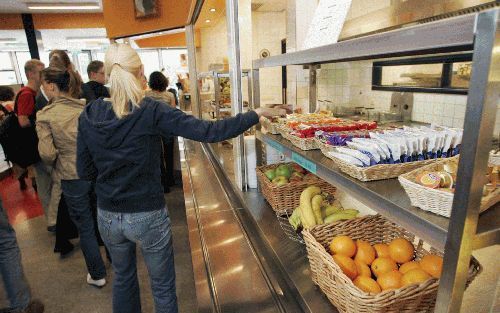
(20, 6)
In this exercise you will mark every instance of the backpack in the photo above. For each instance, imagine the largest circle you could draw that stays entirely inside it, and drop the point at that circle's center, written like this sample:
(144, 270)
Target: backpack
(20, 145)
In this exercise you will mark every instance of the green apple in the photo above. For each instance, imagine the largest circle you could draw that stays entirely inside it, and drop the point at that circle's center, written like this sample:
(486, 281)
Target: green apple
(280, 180)
(284, 170)
(270, 174)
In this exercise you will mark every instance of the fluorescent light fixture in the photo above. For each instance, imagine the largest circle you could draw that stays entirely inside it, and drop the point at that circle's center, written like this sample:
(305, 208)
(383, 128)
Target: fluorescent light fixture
(212, 10)
(88, 39)
(63, 7)
(207, 21)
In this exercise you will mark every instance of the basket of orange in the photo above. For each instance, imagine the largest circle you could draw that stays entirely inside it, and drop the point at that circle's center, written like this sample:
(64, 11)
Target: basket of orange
(371, 265)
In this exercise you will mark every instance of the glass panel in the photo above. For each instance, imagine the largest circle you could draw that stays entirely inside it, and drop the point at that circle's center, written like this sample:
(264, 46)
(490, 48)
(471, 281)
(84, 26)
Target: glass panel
(150, 60)
(99, 56)
(174, 64)
(22, 58)
(5, 61)
(422, 75)
(83, 62)
(461, 75)
(7, 78)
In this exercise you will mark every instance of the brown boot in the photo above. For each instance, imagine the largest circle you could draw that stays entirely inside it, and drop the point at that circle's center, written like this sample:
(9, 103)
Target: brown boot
(35, 306)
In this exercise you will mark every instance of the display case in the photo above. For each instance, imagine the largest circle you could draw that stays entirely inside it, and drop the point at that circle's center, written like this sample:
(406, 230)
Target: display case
(215, 94)
(465, 230)
(283, 264)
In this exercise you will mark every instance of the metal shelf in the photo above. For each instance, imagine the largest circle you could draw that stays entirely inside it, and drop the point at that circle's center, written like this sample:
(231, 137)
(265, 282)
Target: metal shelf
(450, 35)
(388, 198)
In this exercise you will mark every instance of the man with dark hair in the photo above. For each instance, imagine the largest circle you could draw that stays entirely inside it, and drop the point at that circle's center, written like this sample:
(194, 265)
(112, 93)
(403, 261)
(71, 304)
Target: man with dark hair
(94, 88)
(11, 271)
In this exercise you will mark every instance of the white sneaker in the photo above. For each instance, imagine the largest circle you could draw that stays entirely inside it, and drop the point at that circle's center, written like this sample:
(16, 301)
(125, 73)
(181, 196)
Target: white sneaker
(97, 283)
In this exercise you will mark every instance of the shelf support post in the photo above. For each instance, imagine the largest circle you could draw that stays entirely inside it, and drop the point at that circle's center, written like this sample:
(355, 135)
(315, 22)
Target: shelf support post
(193, 82)
(312, 88)
(484, 92)
(233, 42)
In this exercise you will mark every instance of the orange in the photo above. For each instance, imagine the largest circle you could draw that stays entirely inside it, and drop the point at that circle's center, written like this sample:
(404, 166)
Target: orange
(367, 284)
(401, 250)
(382, 250)
(432, 265)
(415, 276)
(408, 266)
(366, 253)
(383, 265)
(347, 265)
(390, 280)
(363, 269)
(343, 245)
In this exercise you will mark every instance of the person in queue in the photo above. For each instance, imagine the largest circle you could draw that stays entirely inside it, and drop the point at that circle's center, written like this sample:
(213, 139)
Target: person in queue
(24, 162)
(119, 146)
(57, 126)
(11, 271)
(158, 84)
(94, 88)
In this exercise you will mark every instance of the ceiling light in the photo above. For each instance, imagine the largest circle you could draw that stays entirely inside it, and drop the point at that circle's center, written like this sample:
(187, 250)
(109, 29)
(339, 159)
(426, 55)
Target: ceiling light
(88, 39)
(212, 10)
(207, 21)
(63, 7)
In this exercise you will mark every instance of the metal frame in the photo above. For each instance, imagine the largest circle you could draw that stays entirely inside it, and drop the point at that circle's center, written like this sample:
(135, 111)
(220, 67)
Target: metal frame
(193, 83)
(464, 231)
(233, 41)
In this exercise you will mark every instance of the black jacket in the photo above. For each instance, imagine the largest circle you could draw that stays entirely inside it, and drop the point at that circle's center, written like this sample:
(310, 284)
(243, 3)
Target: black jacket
(124, 154)
(93, 90)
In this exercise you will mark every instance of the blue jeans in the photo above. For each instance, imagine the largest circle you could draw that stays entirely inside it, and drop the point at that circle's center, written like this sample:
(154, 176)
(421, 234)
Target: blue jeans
(121, 232)
(11, 268)
(77, 196)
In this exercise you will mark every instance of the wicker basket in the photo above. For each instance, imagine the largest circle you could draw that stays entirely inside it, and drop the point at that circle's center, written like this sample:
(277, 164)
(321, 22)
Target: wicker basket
(271, 127)
(435, 200)
(494, 160)
(289, 231)
(377, 172)
(302, 143)
(341, 291)
(284, 199)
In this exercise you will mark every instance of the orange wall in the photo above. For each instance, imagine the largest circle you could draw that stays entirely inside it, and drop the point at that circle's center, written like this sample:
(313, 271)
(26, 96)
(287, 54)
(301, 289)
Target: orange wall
(120, 21)
(166, 41)
(54, 21)
(68, 20)
(11, 21)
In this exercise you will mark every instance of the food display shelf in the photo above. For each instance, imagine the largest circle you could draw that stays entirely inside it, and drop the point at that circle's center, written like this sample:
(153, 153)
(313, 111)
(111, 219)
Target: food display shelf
(387, 197)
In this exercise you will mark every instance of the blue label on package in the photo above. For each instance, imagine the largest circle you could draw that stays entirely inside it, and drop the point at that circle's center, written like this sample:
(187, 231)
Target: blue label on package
(273, 144)
(300, 160)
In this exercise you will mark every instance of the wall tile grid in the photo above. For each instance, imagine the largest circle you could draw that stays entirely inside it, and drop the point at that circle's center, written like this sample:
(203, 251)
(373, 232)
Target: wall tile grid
(269, 28)
(349, 84)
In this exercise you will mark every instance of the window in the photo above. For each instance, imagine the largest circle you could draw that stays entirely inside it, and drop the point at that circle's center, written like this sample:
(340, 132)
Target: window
(83, 62)
(172, 60)
(22, 58)
(438, 74)
(150, 61)
(7, 73)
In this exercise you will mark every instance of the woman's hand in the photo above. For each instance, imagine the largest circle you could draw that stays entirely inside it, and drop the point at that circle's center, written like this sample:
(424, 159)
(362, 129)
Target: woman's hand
(270, 112)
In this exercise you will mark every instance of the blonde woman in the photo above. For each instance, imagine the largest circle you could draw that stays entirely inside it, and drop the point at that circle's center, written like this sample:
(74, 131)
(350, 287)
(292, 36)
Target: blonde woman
(119, 146)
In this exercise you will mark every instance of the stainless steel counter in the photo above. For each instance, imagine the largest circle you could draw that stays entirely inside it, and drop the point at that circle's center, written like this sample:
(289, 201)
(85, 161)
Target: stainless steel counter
(242, 260)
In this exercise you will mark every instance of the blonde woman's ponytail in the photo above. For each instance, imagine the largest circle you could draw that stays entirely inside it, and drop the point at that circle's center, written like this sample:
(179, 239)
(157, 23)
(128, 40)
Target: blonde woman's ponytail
(123, 66)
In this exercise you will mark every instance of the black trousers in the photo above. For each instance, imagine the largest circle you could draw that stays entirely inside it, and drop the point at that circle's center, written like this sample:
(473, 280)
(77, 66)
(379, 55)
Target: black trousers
(65, 228)
(167, 164)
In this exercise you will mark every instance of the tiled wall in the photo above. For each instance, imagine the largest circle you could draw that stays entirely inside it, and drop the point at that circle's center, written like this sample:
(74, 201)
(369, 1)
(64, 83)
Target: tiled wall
(349, 84)
(269, 28)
